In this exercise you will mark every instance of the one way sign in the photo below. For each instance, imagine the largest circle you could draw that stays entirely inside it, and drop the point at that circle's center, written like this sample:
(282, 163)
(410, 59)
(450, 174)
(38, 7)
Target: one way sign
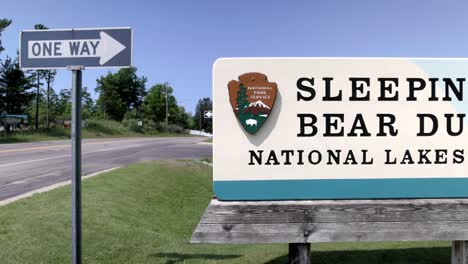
(95, 48)
(208, 114)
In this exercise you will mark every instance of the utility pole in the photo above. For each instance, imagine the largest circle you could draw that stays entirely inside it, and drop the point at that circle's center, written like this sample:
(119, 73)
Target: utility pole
(167, 109)
(37, 100)
(199, 122)
(48, 97)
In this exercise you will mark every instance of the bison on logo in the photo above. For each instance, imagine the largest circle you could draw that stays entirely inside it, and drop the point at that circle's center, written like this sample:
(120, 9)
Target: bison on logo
(252, 98)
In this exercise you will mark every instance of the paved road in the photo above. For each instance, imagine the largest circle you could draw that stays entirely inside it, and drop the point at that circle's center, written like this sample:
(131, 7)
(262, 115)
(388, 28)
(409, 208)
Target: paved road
(28, 166)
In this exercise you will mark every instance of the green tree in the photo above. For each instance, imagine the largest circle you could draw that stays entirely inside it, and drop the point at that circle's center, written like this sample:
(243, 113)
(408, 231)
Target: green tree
(51, 107)
(185, 119)
(14, 87)
(49, 76)
(120, 92)
(62, 105)
(40, 74)
(87, 104)
(202, 123)
(42, 106)
(154, 104)
(4, 23)
(15, 96)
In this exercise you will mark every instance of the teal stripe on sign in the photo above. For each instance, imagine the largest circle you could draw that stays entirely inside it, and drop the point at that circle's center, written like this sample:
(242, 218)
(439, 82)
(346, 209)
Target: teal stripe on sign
(342, 189)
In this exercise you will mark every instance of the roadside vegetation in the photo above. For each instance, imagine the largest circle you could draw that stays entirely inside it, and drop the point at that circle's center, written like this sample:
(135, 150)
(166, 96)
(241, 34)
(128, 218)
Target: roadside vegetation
(33, 107)
(146, 213)
(93, 129)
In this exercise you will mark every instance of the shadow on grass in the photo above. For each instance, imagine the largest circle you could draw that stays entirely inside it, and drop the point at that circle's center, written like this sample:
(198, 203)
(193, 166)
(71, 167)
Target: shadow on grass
(172, 258)
(8, 140)
(40, 134)
(394, 256)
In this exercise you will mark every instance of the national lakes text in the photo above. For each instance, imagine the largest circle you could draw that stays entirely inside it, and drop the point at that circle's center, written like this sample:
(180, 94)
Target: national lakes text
(332, 125)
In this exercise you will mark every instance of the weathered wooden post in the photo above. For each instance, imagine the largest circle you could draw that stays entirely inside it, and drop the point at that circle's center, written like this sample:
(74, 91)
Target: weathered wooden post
(338, 150)
(299, 253)
(227, 222)
(459, 252)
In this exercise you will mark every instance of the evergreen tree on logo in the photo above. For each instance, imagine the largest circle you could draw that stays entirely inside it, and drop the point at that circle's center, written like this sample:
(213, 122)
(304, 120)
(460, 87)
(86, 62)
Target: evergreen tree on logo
(242, 102)
(243, 109)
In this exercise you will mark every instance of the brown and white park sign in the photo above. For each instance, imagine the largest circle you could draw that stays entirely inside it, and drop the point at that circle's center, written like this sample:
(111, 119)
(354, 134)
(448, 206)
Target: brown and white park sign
(339, 128)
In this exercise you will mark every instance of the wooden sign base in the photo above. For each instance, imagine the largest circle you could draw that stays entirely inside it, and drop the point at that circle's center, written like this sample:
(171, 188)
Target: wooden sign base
(300, 223)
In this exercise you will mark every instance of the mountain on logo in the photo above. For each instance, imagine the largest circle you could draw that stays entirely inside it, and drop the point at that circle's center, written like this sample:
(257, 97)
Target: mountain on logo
(259, 103)
(257, 108)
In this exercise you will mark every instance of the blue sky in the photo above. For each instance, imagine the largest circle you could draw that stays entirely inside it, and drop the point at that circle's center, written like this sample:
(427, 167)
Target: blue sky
(178, 41)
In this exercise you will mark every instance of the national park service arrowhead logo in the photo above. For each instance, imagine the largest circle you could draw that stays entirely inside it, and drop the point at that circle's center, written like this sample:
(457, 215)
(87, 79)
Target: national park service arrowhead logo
(252, 99)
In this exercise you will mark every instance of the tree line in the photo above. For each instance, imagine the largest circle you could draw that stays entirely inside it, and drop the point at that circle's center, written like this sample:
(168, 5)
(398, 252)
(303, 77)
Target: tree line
(123, 96)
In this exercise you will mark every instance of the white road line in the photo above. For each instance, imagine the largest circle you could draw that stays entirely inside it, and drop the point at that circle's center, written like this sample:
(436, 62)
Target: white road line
(69, 146)
(63, 156)
(29, 161)
(50, 187)
(102, 150)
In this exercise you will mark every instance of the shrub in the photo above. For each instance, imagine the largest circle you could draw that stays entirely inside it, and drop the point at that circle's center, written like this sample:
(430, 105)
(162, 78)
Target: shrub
(132, 125)
(150, 127)
(175, 129)
(107, 127)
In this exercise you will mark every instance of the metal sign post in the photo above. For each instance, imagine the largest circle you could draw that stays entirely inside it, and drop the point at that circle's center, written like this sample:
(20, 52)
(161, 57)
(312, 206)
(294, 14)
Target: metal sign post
(58, 49)
(76, 163)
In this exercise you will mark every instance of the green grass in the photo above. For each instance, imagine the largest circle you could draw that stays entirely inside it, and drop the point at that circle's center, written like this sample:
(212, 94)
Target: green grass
(145, 213)
(95, 129)
(210, 140)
